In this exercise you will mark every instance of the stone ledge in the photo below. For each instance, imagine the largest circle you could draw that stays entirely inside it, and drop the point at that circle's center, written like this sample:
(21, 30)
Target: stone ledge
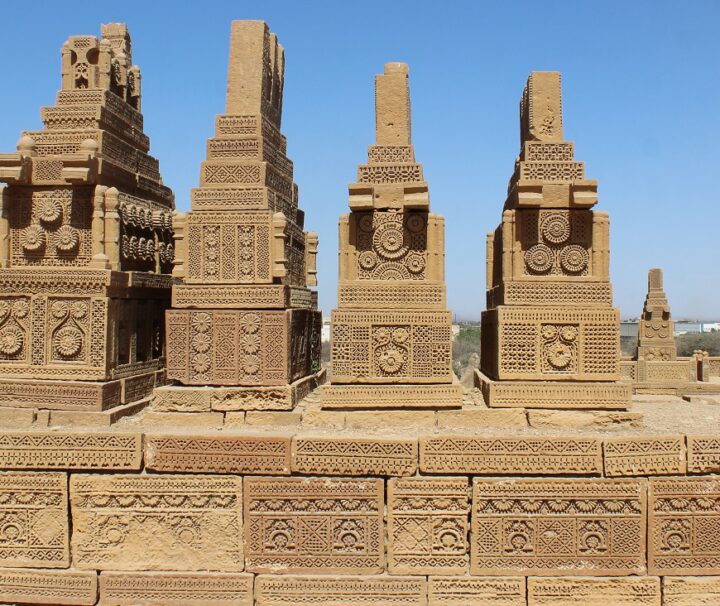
(73, 587)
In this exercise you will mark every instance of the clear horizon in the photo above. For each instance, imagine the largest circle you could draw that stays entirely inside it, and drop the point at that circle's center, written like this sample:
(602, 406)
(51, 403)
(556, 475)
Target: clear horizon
(640, 100)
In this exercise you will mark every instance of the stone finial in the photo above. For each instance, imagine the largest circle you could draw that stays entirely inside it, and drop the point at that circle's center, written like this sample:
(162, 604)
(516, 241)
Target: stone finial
(541, 108)
(119, 37)
(392, 105)
(255, 71)
(655, 279)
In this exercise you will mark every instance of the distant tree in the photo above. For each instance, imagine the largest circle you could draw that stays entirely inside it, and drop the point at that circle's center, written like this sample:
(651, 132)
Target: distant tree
(706, 341)
(465, 344)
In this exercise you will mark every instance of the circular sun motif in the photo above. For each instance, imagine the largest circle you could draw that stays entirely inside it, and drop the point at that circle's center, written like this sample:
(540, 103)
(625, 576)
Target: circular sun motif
(388, 240)
(201, 342)
(555, 228)
(549, 332)
(559, 355)
(366, 223)
(33, 238)
(11, 340)
(574, 258)
(49, 210)
(201, 321)
(383, 336)
(569, 333)
(78, 309)
(251, 365)
(367, 259)
(400, 335)
(391, 361)
(201, 363)
(250, 344)
(60, 309)
(66, 238)
(20, 308)
(68, 341)
(4, 308)
(539, 258)
(415, 223)
(250, 323)
(415, 262)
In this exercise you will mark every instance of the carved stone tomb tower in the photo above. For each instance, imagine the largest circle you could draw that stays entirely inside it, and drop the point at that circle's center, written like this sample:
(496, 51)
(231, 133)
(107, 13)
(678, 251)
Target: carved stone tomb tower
(550, 336)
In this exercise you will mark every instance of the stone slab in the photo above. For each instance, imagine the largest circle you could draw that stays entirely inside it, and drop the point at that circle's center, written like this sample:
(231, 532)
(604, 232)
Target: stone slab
(340, 455)
(105, 418)
(588, 591)
(392, 396)
(428, 525)
(390, 420)
(74, 587)
(34, 524)
(510, 455)
(691, 591)
(703, 454)
(156, 522)
(208, 453)
(181, 419)
(537, 526)
(600, 420)
(70, 450)
(285, 590)
(644, 456)
(314, 525)
(684, 526)
(17, 417)
(481, 418)
(176, 589)
(271, 418)
(476, 591)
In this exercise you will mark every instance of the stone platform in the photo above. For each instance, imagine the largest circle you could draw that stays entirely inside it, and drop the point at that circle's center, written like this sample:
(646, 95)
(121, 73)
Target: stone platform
(470, 506)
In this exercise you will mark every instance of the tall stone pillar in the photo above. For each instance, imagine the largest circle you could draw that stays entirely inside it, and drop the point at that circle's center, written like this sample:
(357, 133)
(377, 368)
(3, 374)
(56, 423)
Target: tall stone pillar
(244, 331)
(85, 243)
(656, 330)
(391, 341)
(550, 335)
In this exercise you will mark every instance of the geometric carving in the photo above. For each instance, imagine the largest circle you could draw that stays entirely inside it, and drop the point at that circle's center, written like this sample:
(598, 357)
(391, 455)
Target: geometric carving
(34, 520)
(644, 456)
(505, 455)
(691, 591)
(427, 525)
(391, 396)
(285, 590)
(48, 586)
(314, 525)
(127, 522)
(547, 526)
(684, 523)
(66, 450)
(569, 591)
(476, 591)
(152, 588)
(218, 454)
(703, 454)
(340, 455)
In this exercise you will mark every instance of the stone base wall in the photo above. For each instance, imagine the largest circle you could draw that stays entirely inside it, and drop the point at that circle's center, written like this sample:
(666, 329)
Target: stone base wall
(337, 518)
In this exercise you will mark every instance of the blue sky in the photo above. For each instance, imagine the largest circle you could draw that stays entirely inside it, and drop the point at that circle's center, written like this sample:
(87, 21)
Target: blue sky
(641, 102)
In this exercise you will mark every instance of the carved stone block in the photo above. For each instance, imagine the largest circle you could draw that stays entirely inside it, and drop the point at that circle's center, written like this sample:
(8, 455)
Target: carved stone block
(703, 454)
(392, 396)
(528, 343)
(546, 527)
(70, 450)
(237, 296)
(476, 591)
(73, 587)
(511, 456)
(691, 591)
(176, 589)
(238, 454)
(60, 395)
(644, 456)
(34, 520)
(339, 455)
(147, 522)
(427, 525)
(285, 590)
(241, 348)
(684, 525)
(314, 525)
(391, 294)
(391, 347)
(570, 591)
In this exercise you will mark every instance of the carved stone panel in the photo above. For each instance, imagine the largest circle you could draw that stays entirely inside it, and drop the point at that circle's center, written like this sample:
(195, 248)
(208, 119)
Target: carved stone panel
(156, 522)
(72, 587)
(684, 526)
(427, 525)
(549, 526)
(241, 347)
(615, 591)
(476, 591)
(391, 347)
(644, 456)
(34, 520)
(314, 525)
